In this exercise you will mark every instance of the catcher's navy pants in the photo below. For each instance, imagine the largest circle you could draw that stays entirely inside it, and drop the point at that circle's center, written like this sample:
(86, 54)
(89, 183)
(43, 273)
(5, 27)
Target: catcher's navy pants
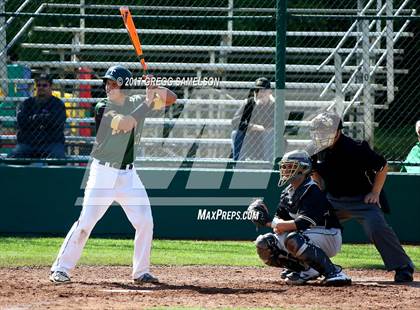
(377, 229)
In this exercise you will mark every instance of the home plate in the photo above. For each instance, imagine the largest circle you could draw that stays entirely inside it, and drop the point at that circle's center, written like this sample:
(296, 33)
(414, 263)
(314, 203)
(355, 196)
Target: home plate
(127, 291)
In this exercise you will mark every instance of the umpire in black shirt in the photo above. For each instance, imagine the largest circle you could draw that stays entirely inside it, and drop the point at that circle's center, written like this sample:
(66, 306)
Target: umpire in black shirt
(353, 176)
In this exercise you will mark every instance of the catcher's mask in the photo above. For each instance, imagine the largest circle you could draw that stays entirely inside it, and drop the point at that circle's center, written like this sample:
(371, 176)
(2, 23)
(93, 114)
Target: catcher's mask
(323, 129)
(293, 165)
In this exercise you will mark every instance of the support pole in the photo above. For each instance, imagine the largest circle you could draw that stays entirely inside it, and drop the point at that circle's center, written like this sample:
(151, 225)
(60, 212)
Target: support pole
(378, 22)
(339, 96)
(390, 52)
(367, 89)
(354, 117)
(82, 22)
(281, 27)
(3, 57)
(230, 24)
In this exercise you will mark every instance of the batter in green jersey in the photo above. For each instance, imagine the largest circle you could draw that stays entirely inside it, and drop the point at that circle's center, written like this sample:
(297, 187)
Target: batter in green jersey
(115, 145)
(112, 176)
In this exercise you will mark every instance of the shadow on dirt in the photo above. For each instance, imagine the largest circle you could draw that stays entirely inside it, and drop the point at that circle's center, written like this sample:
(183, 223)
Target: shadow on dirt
(196, 288)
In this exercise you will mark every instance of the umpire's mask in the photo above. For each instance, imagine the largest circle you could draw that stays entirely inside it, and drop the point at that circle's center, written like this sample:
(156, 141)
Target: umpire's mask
(323, 129)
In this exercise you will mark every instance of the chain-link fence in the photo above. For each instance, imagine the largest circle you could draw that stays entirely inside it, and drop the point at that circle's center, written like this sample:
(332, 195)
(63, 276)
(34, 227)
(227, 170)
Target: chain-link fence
(210, 53)
(365, 58)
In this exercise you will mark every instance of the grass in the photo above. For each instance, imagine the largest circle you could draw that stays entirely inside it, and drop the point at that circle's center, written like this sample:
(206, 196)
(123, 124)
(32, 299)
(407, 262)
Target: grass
(32, 251)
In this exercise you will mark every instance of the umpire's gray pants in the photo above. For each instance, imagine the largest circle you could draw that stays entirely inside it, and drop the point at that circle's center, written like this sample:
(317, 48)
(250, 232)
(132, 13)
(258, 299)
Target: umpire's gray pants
(377, 229)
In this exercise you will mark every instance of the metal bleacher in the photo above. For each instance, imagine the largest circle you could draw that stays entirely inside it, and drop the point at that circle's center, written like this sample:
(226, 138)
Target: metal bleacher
(308, 84)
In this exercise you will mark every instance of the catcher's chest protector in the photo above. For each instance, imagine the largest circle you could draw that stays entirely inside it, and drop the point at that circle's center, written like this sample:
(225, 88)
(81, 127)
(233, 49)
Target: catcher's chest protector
(291, 198)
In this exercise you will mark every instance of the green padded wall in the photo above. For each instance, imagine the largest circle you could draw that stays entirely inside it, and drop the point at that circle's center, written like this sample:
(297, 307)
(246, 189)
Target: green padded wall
(41, 200)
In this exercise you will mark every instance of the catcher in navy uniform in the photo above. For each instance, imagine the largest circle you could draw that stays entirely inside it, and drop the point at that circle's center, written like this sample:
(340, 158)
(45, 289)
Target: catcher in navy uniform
(306, 232)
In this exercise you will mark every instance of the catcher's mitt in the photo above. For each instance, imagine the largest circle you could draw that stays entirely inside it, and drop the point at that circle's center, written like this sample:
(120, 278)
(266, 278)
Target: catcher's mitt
(258, 213)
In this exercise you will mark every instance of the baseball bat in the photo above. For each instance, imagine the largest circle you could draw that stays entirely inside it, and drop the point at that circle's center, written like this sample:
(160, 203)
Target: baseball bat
(162, 97)
(132, 32)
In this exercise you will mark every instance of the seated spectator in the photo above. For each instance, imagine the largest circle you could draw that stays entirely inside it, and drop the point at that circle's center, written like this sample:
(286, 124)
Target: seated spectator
(253, 122)
(414, 156)
(40, 124)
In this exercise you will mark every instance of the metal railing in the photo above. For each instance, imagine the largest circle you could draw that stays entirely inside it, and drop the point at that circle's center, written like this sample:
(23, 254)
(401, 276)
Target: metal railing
(364, 65)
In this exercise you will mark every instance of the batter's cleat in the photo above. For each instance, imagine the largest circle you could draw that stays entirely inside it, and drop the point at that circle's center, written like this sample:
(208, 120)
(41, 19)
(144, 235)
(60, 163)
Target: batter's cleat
(284, 273)
(59, 277)
(146, 278)
(300, 278)
(338, 278)
(404, 274)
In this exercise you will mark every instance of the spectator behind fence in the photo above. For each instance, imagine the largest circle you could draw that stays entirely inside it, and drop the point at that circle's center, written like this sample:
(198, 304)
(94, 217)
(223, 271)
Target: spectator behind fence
(253, 132)
(40, 123)
(414, 156)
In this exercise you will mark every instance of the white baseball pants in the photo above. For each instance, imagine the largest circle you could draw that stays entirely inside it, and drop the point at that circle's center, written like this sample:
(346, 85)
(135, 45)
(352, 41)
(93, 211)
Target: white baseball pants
(105, 185)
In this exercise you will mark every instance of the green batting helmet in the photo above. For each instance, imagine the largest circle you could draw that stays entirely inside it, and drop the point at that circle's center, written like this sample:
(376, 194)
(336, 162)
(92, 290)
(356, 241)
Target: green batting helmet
(118, 73)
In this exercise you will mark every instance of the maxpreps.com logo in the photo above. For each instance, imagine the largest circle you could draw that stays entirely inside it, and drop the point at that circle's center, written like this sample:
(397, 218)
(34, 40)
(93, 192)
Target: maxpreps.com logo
(223, 215)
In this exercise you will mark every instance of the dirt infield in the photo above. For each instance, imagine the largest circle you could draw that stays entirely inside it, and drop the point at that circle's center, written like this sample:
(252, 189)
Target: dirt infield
(198, 286)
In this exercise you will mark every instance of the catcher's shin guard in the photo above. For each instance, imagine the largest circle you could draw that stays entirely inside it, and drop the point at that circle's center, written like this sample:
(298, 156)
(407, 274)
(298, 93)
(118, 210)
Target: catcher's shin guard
(297, 245)
(293, 264)
(272, 255)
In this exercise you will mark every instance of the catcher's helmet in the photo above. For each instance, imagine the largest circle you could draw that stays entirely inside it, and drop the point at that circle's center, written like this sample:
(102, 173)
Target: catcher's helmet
(119, 74)
(262, 83)
(294, 164)
(323, 129)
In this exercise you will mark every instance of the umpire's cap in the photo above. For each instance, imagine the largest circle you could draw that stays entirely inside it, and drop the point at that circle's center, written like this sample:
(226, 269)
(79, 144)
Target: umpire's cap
(262, 83)
(118, 73)
(326, 120)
